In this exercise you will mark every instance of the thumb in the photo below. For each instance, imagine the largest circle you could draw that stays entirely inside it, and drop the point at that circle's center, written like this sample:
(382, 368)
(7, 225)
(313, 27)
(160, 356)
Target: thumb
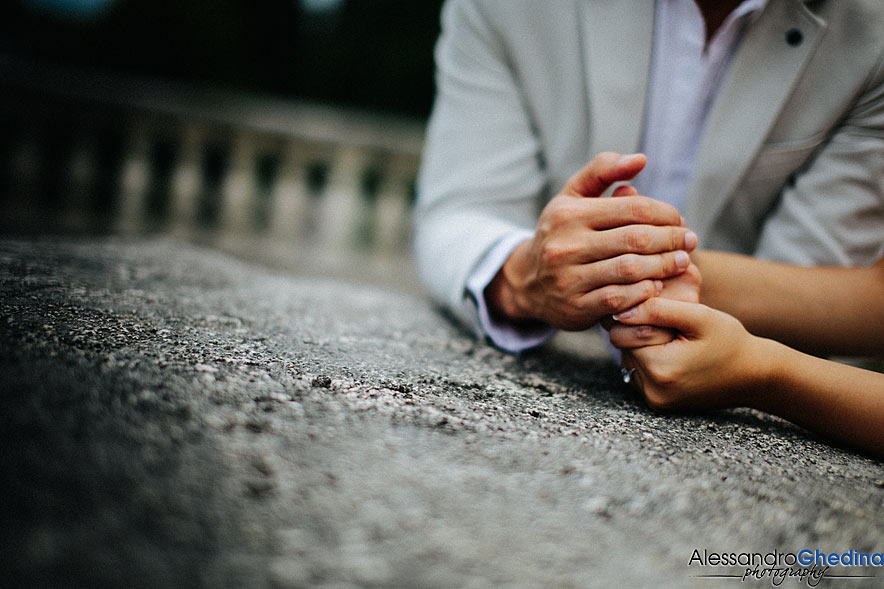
(688, 318)
(605, 169)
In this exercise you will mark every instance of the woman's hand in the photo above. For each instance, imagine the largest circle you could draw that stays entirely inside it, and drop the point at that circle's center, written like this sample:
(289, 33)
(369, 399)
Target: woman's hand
(712, 363)
(684, 287)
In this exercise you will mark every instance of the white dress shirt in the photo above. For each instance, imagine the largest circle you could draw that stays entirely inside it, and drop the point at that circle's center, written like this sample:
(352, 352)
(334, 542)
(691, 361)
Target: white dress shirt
(686, 74)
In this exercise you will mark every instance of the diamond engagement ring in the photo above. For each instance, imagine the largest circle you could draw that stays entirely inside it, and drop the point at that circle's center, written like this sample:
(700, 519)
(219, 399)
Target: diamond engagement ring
(627, 373)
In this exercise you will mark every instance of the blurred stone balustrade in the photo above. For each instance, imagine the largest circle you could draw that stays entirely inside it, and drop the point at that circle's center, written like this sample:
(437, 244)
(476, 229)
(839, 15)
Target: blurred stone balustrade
(300, 185)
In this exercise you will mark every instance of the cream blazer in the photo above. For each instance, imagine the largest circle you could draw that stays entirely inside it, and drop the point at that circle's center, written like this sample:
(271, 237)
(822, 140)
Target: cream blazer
(791, 165)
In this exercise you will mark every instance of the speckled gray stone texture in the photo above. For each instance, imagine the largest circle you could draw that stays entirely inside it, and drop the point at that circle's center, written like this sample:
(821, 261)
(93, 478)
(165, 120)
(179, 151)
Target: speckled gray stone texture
(172, 416)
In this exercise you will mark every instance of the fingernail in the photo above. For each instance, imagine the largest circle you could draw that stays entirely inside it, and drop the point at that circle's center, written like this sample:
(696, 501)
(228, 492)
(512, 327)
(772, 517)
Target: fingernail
(658, 284)
(682, 260)
(683, 221)
(690, 240)
(625, 159)
(624, 315)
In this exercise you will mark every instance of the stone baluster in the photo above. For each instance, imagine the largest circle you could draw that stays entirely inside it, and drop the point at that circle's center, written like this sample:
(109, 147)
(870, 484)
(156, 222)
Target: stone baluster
(392, 221)
(239, 189)
(134, 181)
(187, 181)
(341, 202)
(290, 197)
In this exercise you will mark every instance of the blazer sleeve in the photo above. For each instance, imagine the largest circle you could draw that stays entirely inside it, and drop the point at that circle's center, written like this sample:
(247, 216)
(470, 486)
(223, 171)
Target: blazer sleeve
(832, 210)
(481, 173)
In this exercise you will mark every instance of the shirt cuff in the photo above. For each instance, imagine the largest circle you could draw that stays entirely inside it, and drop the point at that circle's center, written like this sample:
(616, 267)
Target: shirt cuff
(506, 336)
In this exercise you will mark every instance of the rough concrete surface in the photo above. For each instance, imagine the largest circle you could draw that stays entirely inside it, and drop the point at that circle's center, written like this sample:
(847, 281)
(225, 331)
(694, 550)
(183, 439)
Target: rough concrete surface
(172, 416)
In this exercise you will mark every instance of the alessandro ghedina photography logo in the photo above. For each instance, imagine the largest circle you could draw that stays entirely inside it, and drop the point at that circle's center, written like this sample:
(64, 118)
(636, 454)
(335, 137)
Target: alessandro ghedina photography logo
(806, 566)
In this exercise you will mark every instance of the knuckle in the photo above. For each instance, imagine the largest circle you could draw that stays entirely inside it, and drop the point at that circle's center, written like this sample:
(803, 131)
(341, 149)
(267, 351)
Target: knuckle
(559, 212)
(649, 291)
(660, 390)
(628, 267)
(558, 216)
(658, 400)
(554, 253)
(638, 239)
(665, 378)
(561, 282)
(641, 209)
(549, 217)
(610, 300)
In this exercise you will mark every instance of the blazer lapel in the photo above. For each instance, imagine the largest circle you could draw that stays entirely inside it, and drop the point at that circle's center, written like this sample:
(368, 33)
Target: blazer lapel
(757, 85)
(617, 37)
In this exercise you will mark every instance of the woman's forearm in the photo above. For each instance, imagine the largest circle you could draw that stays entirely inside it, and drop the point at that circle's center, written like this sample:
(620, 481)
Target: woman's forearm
(824, 310)
(715, 363)
(841, 402)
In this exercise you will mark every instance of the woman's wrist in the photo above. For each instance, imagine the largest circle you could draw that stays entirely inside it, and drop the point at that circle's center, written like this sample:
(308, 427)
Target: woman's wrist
(771, 361)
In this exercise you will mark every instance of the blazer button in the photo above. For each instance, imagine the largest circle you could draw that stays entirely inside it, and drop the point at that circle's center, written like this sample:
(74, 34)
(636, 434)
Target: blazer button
(794, 37)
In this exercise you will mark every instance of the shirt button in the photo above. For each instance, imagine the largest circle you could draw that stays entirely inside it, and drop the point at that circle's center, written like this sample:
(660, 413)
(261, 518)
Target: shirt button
(794, 37)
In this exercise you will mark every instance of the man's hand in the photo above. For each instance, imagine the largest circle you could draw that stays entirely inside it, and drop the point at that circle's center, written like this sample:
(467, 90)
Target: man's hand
(683, 287)
(591, 257)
